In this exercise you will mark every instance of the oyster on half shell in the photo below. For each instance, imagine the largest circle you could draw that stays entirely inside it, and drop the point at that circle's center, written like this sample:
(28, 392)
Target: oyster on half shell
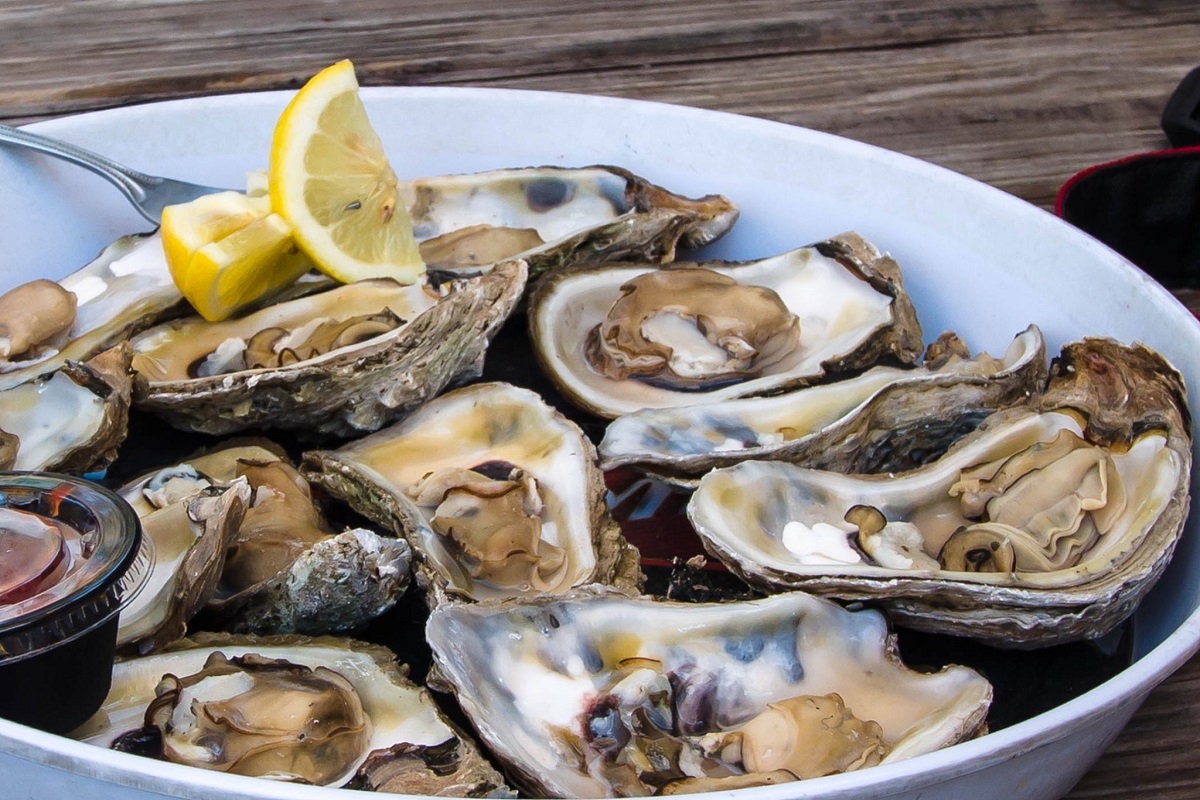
(625, 337)
(555, 217)
(126, 287)
(340, 362)
(288, 571)
(498, 494)
(276, 566)
(599, 695)
(887, 419)
(190, 523)
(72, 420)
(1049, 523)
(326, 711)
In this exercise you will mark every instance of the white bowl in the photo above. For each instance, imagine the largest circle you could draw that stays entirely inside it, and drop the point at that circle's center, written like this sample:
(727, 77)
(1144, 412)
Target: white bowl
(975, 259)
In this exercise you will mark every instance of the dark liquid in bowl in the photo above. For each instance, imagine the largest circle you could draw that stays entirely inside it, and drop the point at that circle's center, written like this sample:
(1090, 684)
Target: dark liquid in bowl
(651, 514)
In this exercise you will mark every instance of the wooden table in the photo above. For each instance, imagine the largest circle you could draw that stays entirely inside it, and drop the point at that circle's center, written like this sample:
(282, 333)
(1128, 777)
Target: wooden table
(1018, 94)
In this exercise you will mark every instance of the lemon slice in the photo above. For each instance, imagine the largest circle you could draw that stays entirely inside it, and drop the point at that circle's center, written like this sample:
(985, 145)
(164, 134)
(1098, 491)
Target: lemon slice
(330, 179)
(249, 265)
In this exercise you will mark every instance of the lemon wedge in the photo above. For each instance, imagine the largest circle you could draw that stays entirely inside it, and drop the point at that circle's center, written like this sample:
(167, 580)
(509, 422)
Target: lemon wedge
(227, 250)
(187, 227)
(330, 179)
(248, 265)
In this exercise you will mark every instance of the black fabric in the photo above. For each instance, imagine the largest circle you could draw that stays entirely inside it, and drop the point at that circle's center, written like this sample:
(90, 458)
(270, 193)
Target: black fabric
(1147, 208)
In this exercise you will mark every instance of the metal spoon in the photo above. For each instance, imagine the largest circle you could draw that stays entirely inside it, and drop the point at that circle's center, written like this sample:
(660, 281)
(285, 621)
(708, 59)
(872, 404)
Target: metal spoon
(149, 194)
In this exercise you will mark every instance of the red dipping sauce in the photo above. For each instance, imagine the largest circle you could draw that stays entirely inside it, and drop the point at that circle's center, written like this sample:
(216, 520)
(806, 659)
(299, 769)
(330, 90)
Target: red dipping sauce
(71, 556)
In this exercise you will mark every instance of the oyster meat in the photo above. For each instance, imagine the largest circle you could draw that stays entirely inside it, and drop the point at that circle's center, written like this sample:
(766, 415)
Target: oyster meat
(598, 695)
(1049, 523)
(498, 494)
(340, 362)
(620, 338)
(885, 420)
(325, 711)
(35, 318)
(555, 217)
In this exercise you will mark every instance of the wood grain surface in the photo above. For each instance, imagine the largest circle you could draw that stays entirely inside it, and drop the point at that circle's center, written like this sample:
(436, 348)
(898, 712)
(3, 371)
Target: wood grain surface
(1020, 95)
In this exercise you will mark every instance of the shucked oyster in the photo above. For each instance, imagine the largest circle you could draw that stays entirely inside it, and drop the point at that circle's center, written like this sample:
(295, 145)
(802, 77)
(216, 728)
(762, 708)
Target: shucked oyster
(1046, 524)
(288, 571)
(325, 711)
(554, 217)
(340, 362)
(35, 319)
(498, 494)
(884, 420)
(600, 695)
(621, 338)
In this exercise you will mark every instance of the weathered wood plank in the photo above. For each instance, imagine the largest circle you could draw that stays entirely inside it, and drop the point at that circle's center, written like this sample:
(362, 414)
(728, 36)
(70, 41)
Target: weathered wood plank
(1154, 757)
(978, 88)
(129, 49)
(1020, 115)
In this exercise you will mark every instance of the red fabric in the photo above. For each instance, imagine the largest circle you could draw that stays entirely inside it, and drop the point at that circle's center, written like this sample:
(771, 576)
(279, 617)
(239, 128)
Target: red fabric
(1144, 206)
(1071, 182)
(653, 517)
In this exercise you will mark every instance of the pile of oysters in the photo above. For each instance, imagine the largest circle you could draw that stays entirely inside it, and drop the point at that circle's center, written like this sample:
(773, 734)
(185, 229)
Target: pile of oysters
(850, 474)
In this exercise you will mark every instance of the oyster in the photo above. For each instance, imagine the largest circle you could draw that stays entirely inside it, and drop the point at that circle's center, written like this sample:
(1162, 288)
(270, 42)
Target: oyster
(326, 711)
(125, 288)
(498, 494)
(621, 338)
(287, 571)
(340, 362)
(72, 420)
(278, 567)
(1047, 524)
(190, 523)
(884, 420)
(595, 695)
(35, 318)
(554, 217)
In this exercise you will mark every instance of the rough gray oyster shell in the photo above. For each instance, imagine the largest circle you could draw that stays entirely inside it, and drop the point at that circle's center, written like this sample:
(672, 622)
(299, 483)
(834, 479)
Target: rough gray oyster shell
(1049, 523)
(884, 420)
